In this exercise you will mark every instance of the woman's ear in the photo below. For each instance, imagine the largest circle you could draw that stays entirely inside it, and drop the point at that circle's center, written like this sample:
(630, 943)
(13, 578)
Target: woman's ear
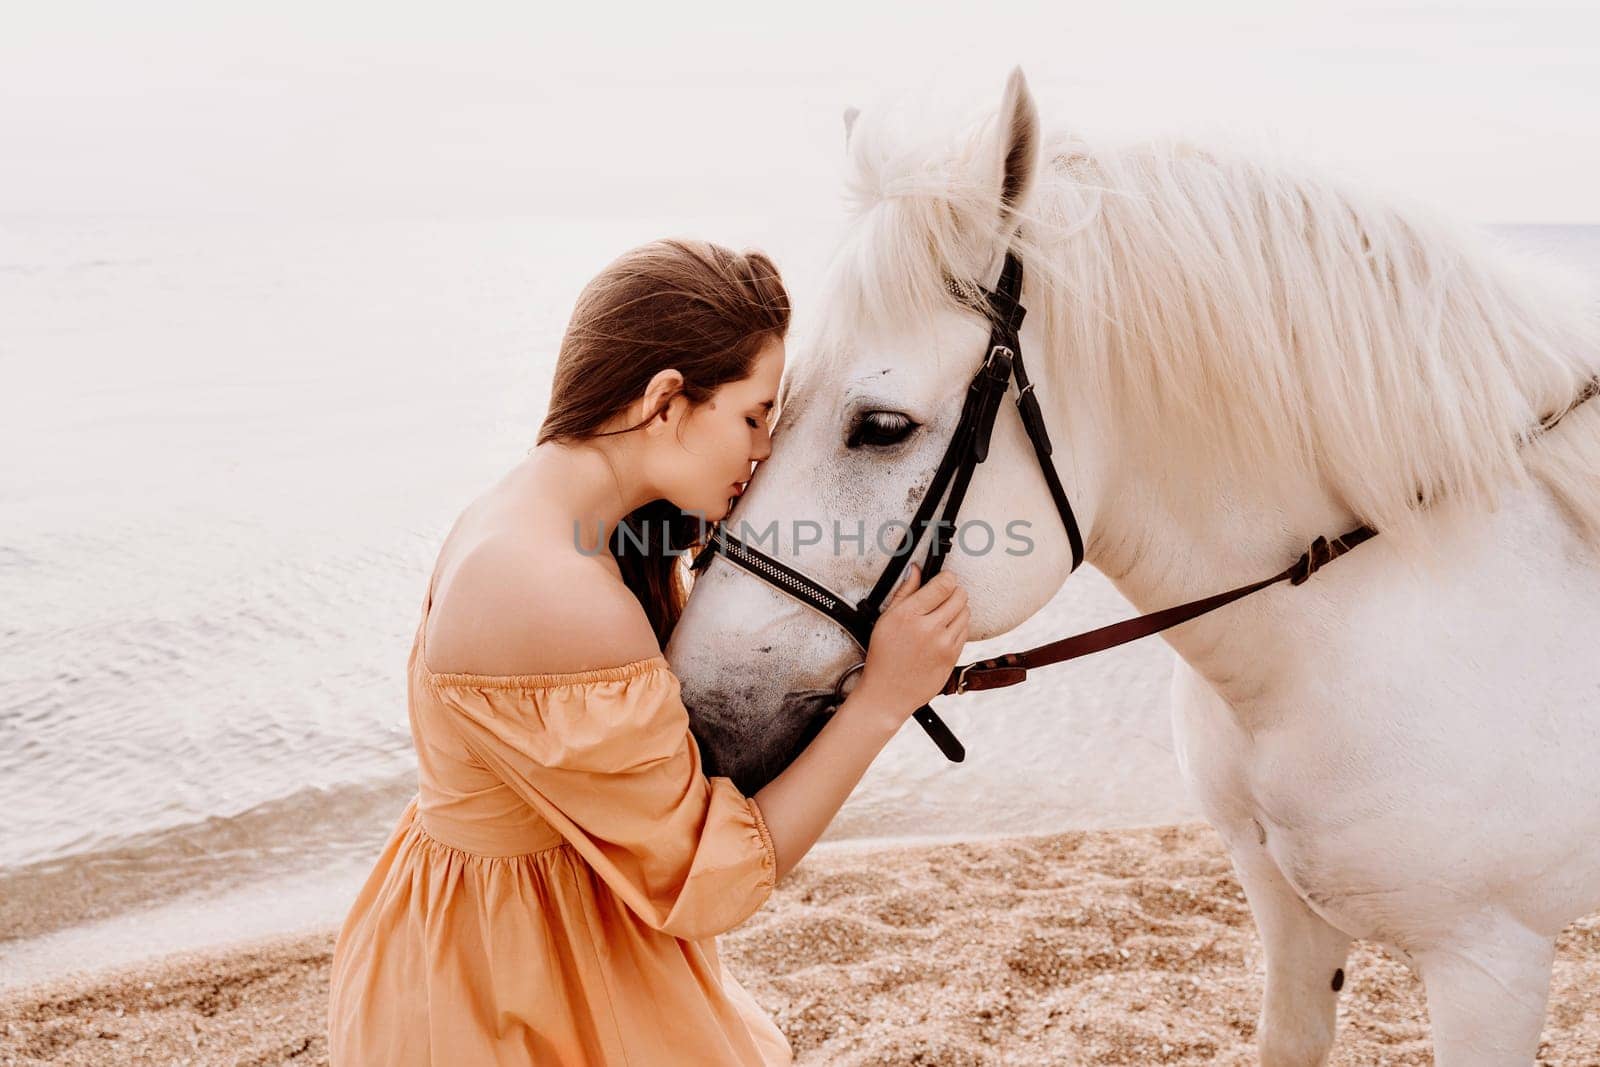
(660, 397)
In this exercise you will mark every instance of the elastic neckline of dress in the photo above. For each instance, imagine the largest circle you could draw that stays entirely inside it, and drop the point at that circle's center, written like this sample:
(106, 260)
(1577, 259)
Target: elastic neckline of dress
(617, 673)
(442, 679)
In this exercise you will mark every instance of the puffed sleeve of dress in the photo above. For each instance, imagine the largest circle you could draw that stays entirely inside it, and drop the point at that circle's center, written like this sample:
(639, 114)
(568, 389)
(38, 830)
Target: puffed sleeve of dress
(610, 763)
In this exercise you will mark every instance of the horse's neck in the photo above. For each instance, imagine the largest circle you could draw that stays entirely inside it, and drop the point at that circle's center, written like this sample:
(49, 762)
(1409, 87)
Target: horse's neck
(1164, 542)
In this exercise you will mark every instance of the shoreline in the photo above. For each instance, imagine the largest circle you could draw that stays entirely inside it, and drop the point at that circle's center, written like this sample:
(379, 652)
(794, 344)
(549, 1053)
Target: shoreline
(1096, 946)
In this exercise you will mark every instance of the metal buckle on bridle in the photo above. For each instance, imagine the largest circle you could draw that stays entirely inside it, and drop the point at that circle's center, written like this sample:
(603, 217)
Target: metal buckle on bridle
(961, 678)
(998, 352)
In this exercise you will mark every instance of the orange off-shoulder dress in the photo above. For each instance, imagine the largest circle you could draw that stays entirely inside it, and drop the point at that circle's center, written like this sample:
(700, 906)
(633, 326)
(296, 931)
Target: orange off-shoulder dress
(553, 892)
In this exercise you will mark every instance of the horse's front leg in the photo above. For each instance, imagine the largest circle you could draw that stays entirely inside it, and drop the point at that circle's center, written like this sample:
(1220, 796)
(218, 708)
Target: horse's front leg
(1305, 955)
(1305, 964)
(1487, 991)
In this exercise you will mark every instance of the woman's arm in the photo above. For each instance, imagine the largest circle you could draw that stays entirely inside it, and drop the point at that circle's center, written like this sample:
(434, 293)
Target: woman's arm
(914, 644)
(799, 803)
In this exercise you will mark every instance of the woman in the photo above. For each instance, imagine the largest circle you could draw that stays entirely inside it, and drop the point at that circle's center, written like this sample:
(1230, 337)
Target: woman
(553, 893)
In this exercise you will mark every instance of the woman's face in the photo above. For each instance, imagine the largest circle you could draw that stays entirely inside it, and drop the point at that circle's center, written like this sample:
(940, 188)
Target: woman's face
(709, 455)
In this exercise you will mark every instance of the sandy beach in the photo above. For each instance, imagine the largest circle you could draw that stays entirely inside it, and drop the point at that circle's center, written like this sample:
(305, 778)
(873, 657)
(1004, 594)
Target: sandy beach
(1116, 947)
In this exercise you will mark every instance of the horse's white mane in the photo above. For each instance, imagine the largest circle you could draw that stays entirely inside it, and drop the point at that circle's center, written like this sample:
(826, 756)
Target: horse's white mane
(1238, 310)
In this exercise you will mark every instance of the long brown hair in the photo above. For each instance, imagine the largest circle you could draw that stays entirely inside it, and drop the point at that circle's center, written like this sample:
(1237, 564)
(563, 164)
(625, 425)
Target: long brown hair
(691, 305)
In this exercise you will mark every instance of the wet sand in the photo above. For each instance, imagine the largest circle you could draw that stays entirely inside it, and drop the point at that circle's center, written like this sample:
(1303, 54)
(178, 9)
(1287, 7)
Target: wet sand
(1115, 947)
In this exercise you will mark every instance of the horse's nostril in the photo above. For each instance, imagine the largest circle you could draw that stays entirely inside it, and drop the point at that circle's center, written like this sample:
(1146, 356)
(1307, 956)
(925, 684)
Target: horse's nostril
(808, 704)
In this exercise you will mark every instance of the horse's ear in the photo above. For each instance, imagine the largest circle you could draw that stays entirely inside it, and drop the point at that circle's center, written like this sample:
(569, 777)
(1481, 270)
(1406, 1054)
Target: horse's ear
(1016, 146)
(850, 114)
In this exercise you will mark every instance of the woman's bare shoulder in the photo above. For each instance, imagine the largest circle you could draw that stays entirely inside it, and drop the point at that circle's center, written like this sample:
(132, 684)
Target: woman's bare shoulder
(507, 607)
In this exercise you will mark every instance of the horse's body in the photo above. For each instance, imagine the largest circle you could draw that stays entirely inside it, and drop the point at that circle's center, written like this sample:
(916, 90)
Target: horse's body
(1400, 756)
(1404, 747)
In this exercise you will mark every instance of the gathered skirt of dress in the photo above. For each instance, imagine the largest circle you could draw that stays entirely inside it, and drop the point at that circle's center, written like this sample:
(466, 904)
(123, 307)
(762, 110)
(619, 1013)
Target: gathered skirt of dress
(553, 892)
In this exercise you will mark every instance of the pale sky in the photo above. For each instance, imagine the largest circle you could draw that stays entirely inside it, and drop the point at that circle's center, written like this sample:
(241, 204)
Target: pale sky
(329, 108)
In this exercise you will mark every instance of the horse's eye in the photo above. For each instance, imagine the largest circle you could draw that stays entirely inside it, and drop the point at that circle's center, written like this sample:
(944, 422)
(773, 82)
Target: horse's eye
(876, 429)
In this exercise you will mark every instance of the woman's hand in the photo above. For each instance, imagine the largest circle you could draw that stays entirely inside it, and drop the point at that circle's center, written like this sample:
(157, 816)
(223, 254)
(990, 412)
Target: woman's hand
(914, 644)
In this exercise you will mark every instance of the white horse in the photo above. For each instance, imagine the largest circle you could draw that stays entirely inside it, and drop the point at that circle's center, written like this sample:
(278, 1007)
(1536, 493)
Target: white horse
(1234, 357)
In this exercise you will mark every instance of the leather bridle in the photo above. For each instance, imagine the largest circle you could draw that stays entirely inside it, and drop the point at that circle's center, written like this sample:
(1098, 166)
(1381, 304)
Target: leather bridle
(969, 446)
